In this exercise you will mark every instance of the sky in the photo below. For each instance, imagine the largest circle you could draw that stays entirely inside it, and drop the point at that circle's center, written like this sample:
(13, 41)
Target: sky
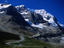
(55, 7)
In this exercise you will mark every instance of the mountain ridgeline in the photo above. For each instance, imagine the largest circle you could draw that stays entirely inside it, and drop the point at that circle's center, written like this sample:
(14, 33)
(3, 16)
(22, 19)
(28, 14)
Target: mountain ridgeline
(20, 20)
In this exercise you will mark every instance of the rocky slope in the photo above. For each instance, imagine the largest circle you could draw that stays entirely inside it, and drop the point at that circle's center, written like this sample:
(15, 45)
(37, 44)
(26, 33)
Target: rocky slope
(21, 21)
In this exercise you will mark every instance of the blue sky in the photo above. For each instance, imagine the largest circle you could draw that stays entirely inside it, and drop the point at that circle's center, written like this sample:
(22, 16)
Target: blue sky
(55, 7)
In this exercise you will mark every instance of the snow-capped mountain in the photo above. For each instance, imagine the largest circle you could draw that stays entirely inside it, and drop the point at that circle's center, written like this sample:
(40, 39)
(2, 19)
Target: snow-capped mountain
(20, 20)
(4, 6)
(46, 16)
(21, 8)
(12, 18)
(42, 15)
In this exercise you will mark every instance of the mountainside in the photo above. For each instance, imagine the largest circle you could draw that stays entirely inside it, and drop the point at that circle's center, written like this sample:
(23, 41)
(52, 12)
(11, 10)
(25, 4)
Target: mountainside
(37, 24)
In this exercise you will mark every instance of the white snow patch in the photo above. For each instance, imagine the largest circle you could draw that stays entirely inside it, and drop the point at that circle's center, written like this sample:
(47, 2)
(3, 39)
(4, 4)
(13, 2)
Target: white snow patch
(62, 25)
(24, 13)
(4, 6)
(38, 26)
(20, 6)
(41, 11)
(2, 12)
(27, 20)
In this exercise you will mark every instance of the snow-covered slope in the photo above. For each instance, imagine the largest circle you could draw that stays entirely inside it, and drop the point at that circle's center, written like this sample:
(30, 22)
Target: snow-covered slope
(20, 20)
(46, 16)
(4, 5)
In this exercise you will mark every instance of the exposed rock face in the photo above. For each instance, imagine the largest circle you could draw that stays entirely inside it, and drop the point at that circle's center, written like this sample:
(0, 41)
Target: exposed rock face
(20, 20)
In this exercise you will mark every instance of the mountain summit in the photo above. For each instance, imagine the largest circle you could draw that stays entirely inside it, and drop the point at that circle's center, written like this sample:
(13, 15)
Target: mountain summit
(19, 20)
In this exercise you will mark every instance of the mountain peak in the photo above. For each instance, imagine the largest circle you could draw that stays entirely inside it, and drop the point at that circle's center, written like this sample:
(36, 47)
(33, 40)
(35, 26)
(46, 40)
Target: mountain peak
(4, 5)
(20, 6)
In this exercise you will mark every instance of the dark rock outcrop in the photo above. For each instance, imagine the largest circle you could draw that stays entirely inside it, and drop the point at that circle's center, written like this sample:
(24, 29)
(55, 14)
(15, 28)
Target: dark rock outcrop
(13, 21)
